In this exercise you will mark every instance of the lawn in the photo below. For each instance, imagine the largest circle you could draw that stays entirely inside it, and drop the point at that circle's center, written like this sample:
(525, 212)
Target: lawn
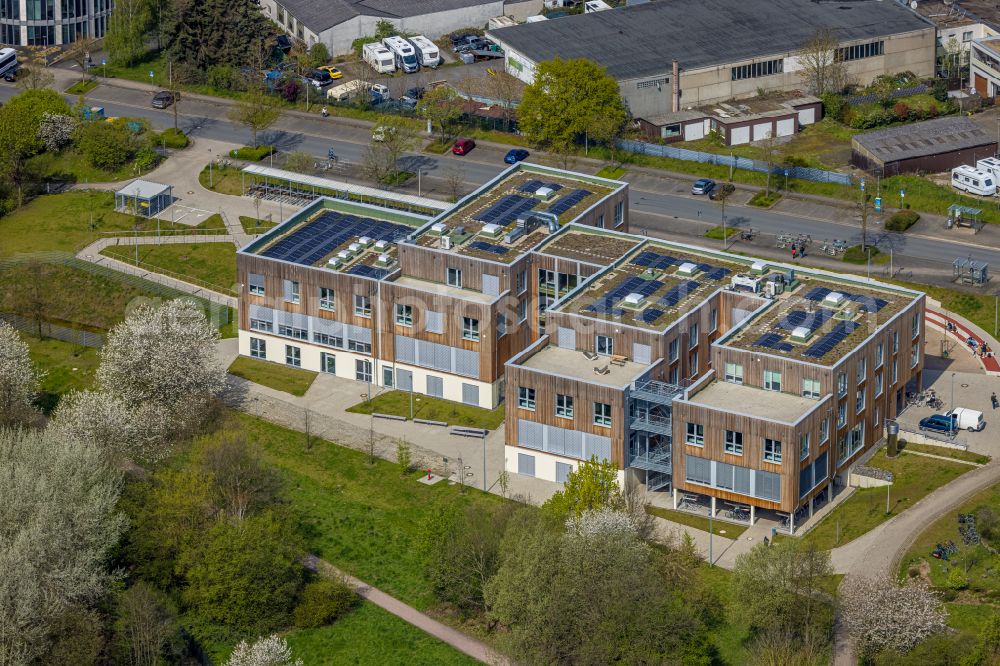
(612, 172)
(729, 638)
(71, 165)
(252, 225)
(273, 375)
(718, 233)
(719, 527)
(915, 477)
(957, 454)
(370, 635)
(823, 145)
(977, 308)
(364, 518)
(224, 180)
(206, 264)
(81, 87)
(431, 409)
(68, 367)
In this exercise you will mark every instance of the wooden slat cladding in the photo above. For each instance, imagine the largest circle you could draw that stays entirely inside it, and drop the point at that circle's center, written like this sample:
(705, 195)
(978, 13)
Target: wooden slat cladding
(310, 280)
(592, 218)
(432, 263)
(584, 395)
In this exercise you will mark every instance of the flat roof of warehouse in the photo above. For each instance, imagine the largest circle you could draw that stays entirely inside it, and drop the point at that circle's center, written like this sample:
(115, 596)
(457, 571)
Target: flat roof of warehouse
(642, 40)
(319, 15)
(930, 137)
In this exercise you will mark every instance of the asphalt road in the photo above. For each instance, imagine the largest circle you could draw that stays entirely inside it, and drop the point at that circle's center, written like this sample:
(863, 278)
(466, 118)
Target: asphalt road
(664, 211)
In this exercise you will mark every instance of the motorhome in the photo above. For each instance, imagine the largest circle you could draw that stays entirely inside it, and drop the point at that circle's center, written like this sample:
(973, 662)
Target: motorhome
(379, 57)
(346, 91)
(403, 52)
(973, 181)
(990, 165)
(427, 51)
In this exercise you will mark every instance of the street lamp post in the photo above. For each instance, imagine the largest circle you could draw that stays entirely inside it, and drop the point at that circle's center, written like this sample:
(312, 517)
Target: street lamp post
(953, 390)
(211, 184)
(484, 459)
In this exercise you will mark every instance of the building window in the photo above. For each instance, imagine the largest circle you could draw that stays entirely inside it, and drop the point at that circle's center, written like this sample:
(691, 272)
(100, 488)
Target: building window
(713, 320)
(564, 406)
(841, 384)
(327, 363)
(261, 325)
(602, 414)
(388, 377)
(851, 442)
(670, 131)
(895, 374)
(501, 325)
(675, 375)
(758, 69)
(693, 363)
(454, 277)
(293, 356)
(967, 36)
(842, 415)
(674, 349)
(772, 380)
(619, 213)
(293, 332)
(915, 356)
(470, 328)
(363, 370)
(695, 434)
(605, 345)
(292, 291)
(258, 348)
(360, 347)
(859, 51)
(878, 415)
(895, 342)
(522, 282)
(362, 305)
(862, 373)
(256, 284)
(734, 373)
(824, 431)
(328, 340)
(693, 334)
(327, 300)
(916, 326)
(878, 384)
(404, 315)
(879, 355)
(522, 310)
(649, 83)
(600, 221)
(772, 450)
(803, 446)
(734, 442)
(526, 398)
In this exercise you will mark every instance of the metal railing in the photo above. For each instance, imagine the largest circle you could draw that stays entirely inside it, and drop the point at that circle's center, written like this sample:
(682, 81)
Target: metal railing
(657, 423)
(652, 390)
(656, 458)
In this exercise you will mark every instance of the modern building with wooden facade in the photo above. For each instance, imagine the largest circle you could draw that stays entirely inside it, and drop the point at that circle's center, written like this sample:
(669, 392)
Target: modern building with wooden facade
(398, 300)
(708, 373)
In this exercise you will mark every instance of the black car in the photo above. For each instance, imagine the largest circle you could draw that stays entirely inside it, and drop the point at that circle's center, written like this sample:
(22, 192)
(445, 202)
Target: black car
(319, 78)
(10, 76)
(163, 99)
(415, 93)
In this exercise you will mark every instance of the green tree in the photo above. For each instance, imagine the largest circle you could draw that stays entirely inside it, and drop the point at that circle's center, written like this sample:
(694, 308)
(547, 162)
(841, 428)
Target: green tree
(20, 119)
(987, 653)
(246, 575)
(443, 107)
(105, 145)
(146, 625)
(216, 32)
(567, 99)
(256, 111)
(322, 602)
(318, 54)
(125, 40)
(593, 485)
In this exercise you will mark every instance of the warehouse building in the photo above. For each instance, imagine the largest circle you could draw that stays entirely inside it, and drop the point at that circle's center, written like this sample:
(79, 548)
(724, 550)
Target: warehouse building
(337, 23)
(930, 146)
(672, 56)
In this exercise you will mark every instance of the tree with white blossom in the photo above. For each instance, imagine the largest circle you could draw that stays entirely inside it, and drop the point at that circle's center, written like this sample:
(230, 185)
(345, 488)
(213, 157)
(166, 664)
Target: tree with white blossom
(58, 525)
(267, 651)
(137, 433)
(18, 379)
(56, 130)
(882, 615)
(164, 358)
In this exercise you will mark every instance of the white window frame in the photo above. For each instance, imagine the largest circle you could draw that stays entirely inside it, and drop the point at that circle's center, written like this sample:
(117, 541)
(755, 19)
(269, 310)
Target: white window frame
(564, 406)
(733, 442)
(772, 450)
(293, 356)
(734, 373)
(862, 372)
(258, 348)
(327, 299)
(404, 314)
(772, 380)
(295, 295)
(804, 446)
(674, 349)
(323, 358)
(841, 384)
(824, 431)
(810, 388)
(606, 342)
(470, 329)
(362, 306)
(256, 290)
(878, 384)
(694, 434)
(453, 277)
(602, 414)
(526, 398)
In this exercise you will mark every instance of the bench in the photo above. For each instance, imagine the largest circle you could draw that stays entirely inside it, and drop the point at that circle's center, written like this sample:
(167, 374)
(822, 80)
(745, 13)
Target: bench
(590, 356)
(391, 417)
(605, 370)
(462, 431)
(619, 360)
(429, 422)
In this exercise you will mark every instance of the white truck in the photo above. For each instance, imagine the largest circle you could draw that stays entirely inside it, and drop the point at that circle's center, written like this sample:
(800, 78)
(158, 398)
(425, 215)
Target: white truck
(346, 91)
(403, 52)
(379, 57)
(427, 51)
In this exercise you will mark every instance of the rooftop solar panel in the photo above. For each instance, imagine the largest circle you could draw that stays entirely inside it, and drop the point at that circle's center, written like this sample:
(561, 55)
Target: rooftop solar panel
(716, 274)
(568, 201)
(649, 315)
(817, 293)
(368, 271)
(767, 340)
(828, 342)
(678, 293)
(867, 303)
(812, 320)
(488, 247)
(555, 187)
(530, 186)
(328, 231)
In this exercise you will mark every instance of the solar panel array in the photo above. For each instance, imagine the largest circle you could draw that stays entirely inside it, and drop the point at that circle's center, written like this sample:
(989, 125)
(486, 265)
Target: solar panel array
(649, 315)
(811, 320)
(773, 341)
(568, 201)
(713, 273)
(677, 294)
(328, 231)
(632, 285)
(653, 260)
(825, 345)
(506, 209)
(865, 302)
(533, 186)
(818, 293)
(488, 247)
(368, 271)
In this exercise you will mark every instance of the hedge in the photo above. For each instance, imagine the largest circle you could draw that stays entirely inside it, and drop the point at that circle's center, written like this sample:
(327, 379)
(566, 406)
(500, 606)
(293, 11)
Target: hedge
(901, 220)
(251, 154)
(174, 138)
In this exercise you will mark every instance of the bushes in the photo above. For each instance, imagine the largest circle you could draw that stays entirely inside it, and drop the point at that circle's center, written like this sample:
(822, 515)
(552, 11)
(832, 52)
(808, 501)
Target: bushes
(901, 220)
(763, 201)
(855, 255)
(106, 145)
(251, 154)
(322, 602)
(174, 138)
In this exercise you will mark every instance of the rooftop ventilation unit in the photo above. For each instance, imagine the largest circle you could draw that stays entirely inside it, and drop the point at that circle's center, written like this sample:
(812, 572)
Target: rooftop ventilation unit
(834, 298)
(355, 247)
(492, 230)
(633, 300)
(439, 228)
(334, 263)
(446, 242)
(513, 234)
(687, 269)
(384, 260)
(758, 267)
(801, 333)
(545, 193)
(365, 241)
(382, 245)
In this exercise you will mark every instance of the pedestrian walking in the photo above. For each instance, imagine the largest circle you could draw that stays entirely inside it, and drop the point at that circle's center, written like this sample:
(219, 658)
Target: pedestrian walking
(993, 399)
(326, 114)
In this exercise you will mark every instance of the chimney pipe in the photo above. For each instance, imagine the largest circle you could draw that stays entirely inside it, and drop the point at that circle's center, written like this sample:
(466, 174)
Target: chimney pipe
(675, 81)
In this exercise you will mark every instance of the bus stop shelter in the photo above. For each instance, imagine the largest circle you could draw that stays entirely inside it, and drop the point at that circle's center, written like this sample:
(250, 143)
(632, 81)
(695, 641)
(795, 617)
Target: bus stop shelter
(143, 198)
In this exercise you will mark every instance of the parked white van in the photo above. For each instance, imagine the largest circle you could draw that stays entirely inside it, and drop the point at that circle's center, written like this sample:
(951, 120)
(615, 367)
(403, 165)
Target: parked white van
(379, 57)
(990, 165)
(973, 181)
(427, 51)
(402, 50)
(968, 419)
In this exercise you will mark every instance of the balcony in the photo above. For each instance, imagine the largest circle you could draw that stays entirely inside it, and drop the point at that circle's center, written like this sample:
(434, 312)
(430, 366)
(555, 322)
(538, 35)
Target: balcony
(654, 459)
(651, 390)
(654, 423)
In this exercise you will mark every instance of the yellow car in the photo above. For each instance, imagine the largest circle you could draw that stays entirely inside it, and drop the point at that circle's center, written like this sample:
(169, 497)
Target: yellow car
(333, 71)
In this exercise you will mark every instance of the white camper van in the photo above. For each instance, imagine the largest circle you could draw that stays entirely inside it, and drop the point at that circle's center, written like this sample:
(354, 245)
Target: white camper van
(402, 51)
(427, 51)
(379, 57)
(990, 165)
(973, 181)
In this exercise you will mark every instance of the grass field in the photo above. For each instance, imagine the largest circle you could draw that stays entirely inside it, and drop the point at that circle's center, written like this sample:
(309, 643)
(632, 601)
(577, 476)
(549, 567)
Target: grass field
(432, 409)
(612, 172)
(82, 87)
(279, 377)
(718, 233)
(957, 454)
(370, 635)
(67, 367)
(719, 527)
(252, 225)
(977, 308)
(208, 264)
(823, 145)
(730, 638)
(915, 477)
(224, 180)
(71, 165)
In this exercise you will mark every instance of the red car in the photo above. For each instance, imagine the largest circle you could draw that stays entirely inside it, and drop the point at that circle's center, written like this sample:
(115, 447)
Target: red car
(463, 146)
